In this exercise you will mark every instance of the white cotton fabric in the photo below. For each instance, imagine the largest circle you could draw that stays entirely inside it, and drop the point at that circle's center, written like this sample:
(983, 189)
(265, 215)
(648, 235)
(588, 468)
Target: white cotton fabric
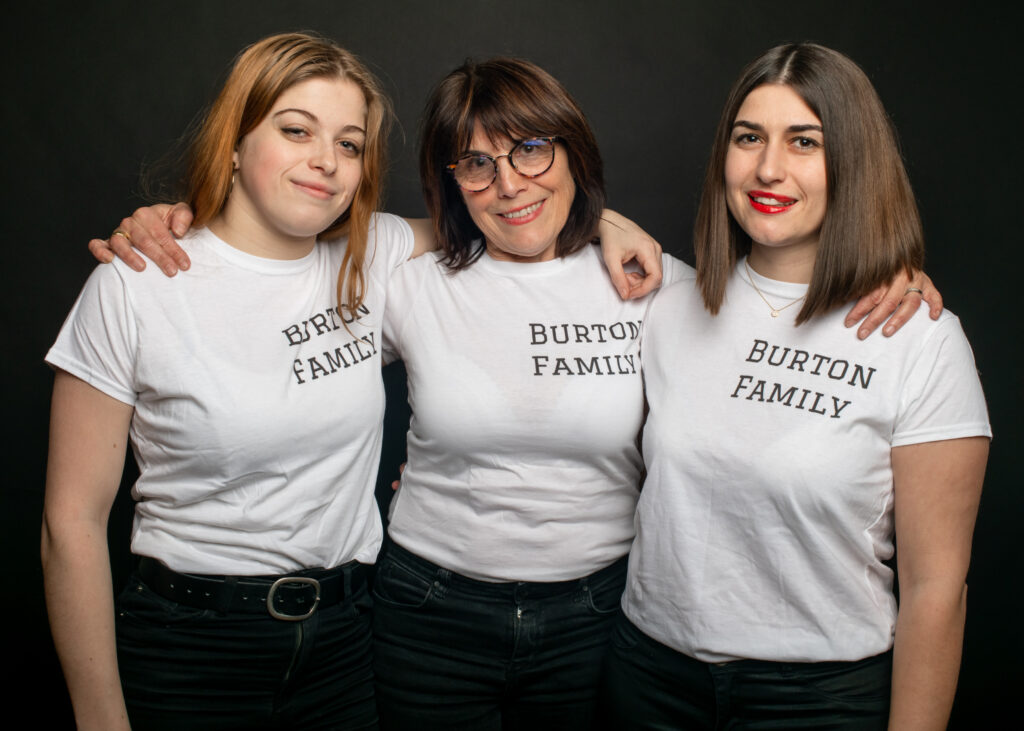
(257, 423)
(767, 511)
(525, 387)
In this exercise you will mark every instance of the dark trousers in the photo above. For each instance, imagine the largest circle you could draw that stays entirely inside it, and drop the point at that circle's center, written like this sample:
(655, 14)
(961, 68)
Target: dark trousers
(650, 686)
(454, 653)
(188, 668)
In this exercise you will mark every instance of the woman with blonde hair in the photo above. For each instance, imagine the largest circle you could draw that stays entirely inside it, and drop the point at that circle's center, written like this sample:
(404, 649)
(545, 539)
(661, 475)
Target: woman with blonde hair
(252, 396)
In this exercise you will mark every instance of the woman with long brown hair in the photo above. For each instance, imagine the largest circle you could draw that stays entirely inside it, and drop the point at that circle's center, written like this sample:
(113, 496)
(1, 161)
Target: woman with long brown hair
(788, 461)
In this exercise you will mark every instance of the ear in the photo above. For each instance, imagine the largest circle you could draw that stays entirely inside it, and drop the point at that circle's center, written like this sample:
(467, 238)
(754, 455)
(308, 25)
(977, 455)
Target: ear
(234, 159)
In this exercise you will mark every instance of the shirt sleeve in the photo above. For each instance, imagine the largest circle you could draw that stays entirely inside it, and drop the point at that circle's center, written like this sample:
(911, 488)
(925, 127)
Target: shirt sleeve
(942, 396)
(98, 342)
(675, 270)
(392, 237)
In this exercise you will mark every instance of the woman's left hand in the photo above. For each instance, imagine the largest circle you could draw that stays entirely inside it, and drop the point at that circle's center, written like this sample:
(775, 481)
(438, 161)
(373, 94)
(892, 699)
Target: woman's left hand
(901, 299)
(623, 241)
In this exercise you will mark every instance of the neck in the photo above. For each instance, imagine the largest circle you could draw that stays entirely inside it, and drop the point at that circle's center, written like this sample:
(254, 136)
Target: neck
(497, 254)
(242, 230)
(783, 264)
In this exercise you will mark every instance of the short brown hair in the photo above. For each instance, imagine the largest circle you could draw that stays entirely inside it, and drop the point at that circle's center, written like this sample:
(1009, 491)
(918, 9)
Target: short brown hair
(261, 73)
(504, 98)
(871, 229)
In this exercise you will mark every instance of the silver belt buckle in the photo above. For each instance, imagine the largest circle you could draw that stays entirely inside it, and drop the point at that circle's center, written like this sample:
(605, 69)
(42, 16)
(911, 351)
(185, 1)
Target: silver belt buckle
(292, 580)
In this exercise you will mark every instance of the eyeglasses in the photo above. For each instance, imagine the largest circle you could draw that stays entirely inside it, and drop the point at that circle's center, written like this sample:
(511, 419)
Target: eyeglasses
(529, 158)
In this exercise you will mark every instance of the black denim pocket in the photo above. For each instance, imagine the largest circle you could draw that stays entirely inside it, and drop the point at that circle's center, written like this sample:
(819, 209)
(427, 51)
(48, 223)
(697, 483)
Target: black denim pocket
(138, 603)
(858, 683)
(399, 586)
(603, 594)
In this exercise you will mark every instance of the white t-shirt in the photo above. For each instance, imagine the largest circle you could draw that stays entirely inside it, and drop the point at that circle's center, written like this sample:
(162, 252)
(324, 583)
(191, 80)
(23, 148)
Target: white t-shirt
(525, 387)
(257, 421)
(768, 505)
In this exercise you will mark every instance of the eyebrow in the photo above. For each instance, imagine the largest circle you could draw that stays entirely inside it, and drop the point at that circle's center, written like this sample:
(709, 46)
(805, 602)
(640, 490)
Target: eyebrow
(313, 118)
(791, 128)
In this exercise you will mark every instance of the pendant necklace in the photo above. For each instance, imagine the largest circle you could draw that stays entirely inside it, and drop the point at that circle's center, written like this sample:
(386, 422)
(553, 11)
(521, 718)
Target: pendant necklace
(775, 310)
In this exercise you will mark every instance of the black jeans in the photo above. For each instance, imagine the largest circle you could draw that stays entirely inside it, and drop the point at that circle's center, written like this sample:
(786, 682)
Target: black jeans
(650, 686)
(454, 653)
(188, 668)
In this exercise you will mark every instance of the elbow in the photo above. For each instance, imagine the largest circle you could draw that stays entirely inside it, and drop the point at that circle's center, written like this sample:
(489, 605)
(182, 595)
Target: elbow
(935, 601)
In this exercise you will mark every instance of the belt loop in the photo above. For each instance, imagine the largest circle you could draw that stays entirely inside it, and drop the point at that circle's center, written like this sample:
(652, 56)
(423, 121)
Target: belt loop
(227, 593)
(347, 575)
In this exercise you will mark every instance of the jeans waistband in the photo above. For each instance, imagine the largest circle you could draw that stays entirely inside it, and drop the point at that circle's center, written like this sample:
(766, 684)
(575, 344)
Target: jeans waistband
(499, 589)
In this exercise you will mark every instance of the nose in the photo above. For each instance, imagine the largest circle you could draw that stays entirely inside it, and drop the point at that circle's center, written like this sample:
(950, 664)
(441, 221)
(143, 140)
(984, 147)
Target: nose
(509, 182)
(323, 157)
(771, 167)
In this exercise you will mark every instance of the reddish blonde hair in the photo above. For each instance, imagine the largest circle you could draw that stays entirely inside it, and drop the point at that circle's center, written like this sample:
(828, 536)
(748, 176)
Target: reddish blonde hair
(261, 73)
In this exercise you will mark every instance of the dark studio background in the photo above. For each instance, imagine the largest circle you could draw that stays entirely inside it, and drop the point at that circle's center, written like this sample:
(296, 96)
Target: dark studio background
(96, 90)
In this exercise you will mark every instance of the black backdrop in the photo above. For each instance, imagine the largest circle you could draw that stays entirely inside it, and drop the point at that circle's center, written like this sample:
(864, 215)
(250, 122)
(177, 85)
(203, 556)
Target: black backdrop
(97, 90)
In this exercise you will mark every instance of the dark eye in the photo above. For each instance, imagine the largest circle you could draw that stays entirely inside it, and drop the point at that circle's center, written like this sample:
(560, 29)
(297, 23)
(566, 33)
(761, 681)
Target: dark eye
(805, 143)
(350, 147)
(532, 147)
(747, 138)
(478, 162)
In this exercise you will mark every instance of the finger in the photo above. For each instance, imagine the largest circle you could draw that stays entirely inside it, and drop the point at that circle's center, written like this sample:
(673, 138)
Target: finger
(617, 274)
(152, 236)
(643, 285)
(906, 310)
(863, 306)
(930, 294)
(121, 245)
(180, 220)
(99, 249)
(886, 305)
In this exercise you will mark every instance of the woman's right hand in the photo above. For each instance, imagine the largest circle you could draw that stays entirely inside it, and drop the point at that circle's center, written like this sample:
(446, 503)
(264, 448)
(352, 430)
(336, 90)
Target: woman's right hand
(151, 230)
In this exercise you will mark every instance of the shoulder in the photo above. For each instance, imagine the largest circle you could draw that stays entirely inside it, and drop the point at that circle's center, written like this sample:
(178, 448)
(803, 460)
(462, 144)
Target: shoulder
(676, 270)
(393, 234)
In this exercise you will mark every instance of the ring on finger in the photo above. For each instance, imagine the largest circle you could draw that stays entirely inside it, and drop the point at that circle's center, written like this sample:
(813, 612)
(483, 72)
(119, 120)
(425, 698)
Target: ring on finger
(120, 232)
(905, 293)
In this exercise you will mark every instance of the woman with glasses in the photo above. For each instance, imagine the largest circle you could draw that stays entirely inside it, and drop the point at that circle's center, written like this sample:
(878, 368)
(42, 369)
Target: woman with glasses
(508, 535)
(787, 462)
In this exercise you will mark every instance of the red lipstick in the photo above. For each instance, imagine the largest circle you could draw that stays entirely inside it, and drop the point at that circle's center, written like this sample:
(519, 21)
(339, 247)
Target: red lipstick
(766, 202)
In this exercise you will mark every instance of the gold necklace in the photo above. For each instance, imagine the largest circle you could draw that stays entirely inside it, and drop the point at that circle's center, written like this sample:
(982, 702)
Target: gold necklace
(775, 310)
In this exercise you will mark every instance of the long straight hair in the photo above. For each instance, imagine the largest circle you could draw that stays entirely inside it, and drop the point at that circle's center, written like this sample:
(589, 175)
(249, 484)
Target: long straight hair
(871, 228)
(261, 73)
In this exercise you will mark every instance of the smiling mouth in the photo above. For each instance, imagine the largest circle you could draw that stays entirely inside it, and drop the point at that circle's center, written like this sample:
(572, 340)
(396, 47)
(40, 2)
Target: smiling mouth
(773, 201)
(315, 190)
(764, 202)
(522, 212)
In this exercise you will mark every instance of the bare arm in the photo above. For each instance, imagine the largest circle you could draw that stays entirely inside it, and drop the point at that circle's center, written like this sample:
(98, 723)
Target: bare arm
(623, 241)
(937, 490)
(88, 435)
(422, 235)
(901, 299)
(152, 230)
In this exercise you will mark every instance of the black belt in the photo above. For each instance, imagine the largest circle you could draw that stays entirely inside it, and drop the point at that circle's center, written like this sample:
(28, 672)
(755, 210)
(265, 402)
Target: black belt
(291, 597)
